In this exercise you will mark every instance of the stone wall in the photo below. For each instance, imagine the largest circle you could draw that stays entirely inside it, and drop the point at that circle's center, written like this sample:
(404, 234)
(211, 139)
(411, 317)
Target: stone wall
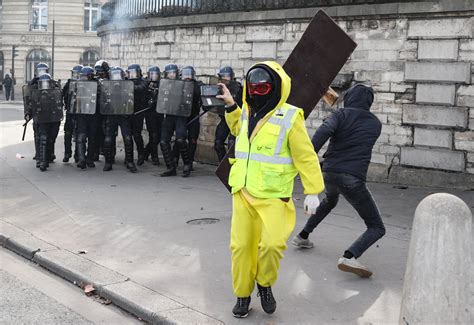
(418, 57)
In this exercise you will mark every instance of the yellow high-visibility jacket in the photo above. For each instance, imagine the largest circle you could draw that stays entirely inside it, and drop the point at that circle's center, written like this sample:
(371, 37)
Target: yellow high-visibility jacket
(278, 149)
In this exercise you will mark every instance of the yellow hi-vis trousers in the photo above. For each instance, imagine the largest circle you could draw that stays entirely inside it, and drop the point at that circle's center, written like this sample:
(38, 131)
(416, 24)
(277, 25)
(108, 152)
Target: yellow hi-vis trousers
(259, 231)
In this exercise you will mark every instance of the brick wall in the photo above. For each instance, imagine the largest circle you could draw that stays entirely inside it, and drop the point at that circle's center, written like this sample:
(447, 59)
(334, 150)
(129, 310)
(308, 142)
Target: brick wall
(417, 56)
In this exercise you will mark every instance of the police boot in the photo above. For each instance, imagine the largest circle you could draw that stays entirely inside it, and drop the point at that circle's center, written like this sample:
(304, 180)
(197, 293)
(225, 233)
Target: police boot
(51, 155)
(154, 155)
(43, 154)
(146, 152)
(166, 150)
(129, 155)
(37, 146)
(175, 153)
(67, 146)
(81, 151)
(140, 158)
(192, 151)
(108, 158)
(184, 151)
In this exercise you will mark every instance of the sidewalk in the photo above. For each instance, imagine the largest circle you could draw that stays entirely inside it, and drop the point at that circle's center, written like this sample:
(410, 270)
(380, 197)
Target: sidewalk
(142, 252)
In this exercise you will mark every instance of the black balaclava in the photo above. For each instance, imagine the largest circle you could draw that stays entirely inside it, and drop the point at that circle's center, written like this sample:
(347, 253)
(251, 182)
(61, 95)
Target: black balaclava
(260, 105)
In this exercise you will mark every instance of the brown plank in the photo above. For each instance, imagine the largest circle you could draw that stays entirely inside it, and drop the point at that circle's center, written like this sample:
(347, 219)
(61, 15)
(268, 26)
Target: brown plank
(316, 60)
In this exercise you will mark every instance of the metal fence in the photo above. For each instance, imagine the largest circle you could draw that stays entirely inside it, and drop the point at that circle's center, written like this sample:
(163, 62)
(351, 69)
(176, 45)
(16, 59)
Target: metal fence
(140, 8)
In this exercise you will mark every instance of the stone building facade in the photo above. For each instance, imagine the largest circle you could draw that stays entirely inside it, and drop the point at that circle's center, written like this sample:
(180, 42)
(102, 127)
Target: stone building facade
(417, 55)
(28, 25)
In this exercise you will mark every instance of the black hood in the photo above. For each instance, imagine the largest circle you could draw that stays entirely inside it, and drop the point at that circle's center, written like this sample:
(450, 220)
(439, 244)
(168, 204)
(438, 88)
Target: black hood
(359, 96)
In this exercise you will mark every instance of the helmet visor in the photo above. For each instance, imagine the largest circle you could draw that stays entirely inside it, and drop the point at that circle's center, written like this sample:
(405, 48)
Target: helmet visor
(133, 74)
(225, 76)
(170, 74)
(44, 84)
(116, 75)
(75, 75)
(42, 71)
(154, 76)
(187, 73)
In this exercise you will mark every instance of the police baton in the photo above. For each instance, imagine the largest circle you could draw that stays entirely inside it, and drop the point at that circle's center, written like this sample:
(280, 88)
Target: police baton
(195, 118)
(141, 111)
(25, 125)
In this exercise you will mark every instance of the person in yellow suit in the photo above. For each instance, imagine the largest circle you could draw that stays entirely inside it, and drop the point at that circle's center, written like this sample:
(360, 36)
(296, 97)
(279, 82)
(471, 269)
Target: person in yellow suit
(271, 148)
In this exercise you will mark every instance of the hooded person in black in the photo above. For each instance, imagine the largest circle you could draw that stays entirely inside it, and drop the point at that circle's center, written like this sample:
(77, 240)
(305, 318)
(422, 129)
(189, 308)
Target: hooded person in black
(353, 131)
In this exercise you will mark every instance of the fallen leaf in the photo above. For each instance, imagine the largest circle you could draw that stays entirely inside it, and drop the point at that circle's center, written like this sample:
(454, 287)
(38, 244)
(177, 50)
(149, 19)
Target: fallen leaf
(89, 289)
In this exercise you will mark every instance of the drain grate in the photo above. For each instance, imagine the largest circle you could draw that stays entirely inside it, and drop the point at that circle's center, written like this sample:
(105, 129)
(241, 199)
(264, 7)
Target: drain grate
(203, 221)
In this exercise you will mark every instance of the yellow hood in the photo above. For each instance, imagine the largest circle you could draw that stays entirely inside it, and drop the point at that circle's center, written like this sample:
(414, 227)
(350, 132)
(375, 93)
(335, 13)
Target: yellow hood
(285, 83)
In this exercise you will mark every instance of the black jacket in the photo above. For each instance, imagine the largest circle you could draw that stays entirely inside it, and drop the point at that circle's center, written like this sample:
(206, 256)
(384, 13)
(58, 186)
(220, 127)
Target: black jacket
(65, 93)
(197, 101)
(8, 82)
(353, 131)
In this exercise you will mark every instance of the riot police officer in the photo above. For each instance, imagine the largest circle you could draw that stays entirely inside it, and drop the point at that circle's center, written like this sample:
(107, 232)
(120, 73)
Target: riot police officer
(69, 124)
(141, 99)
(41, 69)
(112, 122)
(86, 129)
(153, 119)
(188, 74)
(102, 70)
(172, 124)
(226, 76)
(46, 117)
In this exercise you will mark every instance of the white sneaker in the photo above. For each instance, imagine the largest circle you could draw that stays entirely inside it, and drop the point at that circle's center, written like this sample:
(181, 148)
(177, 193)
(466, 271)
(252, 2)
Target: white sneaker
(302, 243)
(353, 266)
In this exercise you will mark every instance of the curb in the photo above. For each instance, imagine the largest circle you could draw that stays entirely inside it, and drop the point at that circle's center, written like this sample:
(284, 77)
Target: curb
(136, 299)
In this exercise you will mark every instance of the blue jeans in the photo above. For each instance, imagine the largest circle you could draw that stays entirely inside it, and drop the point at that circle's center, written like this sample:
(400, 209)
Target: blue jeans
(358, 195)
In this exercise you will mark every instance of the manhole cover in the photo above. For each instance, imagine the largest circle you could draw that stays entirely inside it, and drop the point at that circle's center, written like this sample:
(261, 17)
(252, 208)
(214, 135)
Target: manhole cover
(203, 221)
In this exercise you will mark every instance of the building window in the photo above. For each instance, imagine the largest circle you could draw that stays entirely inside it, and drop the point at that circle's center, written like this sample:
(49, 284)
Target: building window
(34, 57)
(89, 58)
(91, 16)
(39, 15)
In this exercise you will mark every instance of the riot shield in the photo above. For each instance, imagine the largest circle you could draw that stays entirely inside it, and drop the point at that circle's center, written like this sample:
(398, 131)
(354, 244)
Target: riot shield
(116, 97)
(175, 97)
(71, 96)
(47, 105)
(83, 98)
(27, 99)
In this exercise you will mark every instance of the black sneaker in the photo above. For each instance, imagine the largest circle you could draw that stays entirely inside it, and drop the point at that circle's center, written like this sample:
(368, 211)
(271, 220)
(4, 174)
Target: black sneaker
(269, 304)
(241, 308)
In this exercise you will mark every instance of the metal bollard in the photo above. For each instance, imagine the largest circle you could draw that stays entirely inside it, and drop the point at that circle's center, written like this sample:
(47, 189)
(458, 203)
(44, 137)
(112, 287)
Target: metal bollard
(438, 277)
